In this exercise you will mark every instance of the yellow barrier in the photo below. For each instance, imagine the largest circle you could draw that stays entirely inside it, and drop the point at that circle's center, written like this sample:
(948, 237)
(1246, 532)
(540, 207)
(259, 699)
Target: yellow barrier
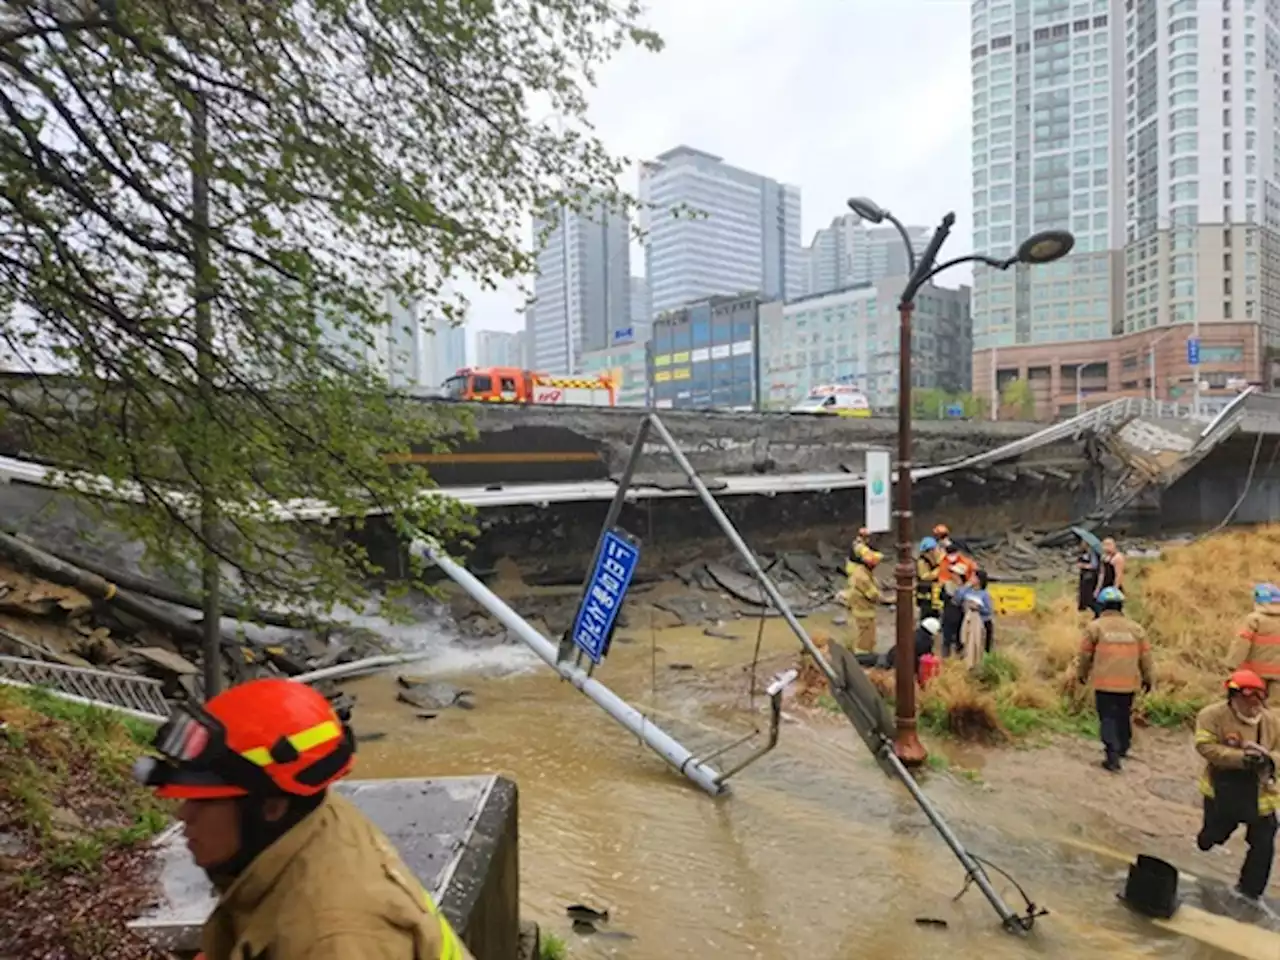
(1012, 599)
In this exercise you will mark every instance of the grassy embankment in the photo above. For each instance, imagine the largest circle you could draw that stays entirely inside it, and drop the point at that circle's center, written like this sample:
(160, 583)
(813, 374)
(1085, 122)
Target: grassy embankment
(73, 829)
(1191, 601)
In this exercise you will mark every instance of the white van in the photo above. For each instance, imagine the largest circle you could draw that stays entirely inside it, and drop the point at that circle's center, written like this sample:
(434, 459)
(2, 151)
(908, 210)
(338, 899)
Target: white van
(837, 399)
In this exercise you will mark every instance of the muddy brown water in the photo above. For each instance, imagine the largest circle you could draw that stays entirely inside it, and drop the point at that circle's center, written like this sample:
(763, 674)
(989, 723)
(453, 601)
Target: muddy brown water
(814, 853)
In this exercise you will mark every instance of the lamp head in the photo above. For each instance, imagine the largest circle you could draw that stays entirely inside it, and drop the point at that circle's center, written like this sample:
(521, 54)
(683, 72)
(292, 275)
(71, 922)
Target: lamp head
(867, 209)
(1045, 247)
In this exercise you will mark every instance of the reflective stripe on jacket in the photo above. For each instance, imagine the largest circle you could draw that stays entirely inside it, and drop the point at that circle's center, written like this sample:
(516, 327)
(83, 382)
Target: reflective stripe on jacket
(1115, 654)
(862, 595)
(332, 888)
(1257, 646)
(1220, 739)
(927, 590)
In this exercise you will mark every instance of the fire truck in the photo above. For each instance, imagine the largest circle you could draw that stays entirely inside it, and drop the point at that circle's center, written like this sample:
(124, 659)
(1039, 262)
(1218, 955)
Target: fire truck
(513, 385)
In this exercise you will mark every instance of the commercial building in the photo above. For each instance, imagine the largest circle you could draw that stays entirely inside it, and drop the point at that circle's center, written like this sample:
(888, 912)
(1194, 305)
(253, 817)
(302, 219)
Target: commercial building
(641, 305)
(850, 336)
(705, 354)
(414, 350)
(714, 229)
(1147, 128)
(626, 363)
(500, 348)
(848, 252)
(582, 288)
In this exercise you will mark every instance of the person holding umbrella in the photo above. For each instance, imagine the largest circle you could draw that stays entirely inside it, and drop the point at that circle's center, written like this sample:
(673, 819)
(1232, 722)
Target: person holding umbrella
(1087, 562)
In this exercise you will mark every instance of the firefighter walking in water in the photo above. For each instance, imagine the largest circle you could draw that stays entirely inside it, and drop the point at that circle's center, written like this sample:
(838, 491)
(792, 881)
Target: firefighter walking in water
(300, 872)
(1240, 742)
(1257, 646)
(1116, 656)
(863, 598)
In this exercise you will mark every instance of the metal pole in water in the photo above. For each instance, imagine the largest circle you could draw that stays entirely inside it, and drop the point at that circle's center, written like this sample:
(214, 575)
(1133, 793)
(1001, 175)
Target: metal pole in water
(886, 751)
(653, 736)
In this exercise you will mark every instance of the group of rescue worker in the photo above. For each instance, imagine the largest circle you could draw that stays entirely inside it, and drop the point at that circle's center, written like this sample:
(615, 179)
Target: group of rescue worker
(1239, 738)
(950, 592)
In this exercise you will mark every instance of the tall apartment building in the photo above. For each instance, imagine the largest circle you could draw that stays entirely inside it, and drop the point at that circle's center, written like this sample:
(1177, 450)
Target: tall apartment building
(714, 229)
(500, 348)
(850, 336)
(848, 252)
(1147, 128)
(582, 289)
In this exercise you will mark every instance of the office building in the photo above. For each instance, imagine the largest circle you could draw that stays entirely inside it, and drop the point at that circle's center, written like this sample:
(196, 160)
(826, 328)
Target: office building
(848, 252)
(500, 348)
(850, 336)
(625, 362)
(1147, 128)
(715, 230)
(444, 348)
(641, 306)
(582, 288)
(704, 354)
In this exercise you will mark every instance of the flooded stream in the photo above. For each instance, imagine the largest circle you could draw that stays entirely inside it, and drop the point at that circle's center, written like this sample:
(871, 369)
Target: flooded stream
(814, 853)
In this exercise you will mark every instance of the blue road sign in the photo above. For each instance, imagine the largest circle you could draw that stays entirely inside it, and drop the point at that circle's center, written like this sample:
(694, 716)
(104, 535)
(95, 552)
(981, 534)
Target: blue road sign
(955, 411)
(1193, 351)
(625, 335)
(606, 590)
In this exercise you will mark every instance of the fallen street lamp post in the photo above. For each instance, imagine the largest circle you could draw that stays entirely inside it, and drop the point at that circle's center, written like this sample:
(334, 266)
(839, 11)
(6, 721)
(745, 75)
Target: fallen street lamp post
(1042, 247)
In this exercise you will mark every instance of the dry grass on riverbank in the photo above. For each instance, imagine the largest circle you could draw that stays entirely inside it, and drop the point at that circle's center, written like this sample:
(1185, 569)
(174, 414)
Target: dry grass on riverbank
(1191, 601)
(74, 868)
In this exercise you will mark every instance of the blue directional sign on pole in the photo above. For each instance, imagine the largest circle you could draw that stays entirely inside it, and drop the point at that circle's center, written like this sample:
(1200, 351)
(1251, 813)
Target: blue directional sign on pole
(1193, 351)
(607, 588)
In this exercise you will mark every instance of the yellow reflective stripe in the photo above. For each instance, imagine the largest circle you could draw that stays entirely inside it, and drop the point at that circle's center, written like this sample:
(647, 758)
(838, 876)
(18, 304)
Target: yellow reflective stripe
(450, 949)
(1204, 736)
(303, 741)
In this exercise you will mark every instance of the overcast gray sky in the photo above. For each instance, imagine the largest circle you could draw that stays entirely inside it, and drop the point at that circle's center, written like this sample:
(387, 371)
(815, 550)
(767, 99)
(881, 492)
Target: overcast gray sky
(841, 97)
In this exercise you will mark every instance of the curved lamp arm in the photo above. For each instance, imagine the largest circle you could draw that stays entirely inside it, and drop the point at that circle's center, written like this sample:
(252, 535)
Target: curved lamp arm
(906, 240)
(968, 258)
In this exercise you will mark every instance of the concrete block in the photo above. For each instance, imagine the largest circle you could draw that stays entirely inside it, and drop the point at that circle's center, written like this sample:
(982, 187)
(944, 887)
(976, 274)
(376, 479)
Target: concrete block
(457, 834)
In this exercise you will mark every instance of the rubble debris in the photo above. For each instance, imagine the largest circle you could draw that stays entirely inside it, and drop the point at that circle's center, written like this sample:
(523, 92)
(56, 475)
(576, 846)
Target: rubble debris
(427, 694)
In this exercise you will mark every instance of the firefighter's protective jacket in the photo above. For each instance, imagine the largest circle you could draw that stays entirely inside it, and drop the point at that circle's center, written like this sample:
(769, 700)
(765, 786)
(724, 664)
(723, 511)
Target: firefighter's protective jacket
(1257, 646)
(862, 595)
(1115, 654)
(1220, 739)
(332, 888)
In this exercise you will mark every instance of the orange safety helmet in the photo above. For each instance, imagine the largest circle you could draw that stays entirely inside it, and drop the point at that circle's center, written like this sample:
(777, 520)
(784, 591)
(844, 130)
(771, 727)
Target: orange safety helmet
(264, 736)
(1245, 680)
(941, 530)
(863, 533)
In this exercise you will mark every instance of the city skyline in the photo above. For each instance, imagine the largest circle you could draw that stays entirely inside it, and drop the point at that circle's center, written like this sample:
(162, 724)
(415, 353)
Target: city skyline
(907, 147)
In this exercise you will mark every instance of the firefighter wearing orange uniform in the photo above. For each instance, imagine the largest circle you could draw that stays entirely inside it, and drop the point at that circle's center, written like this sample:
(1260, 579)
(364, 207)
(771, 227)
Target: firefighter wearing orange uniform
(862, 596)
(1116, 656)
(1257, 646)
(301, 873)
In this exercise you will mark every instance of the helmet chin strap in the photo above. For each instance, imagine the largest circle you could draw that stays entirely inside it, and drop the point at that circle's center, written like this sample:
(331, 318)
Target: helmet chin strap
(257, 833)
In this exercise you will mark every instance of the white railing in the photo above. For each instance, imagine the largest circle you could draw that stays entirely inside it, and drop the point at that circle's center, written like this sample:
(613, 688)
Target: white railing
(126, 693)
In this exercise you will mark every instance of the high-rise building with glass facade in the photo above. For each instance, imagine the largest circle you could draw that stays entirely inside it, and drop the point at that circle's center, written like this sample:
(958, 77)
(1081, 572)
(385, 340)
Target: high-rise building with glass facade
(582, 288)
(1147, 128)
(848, 252)
(714, 229)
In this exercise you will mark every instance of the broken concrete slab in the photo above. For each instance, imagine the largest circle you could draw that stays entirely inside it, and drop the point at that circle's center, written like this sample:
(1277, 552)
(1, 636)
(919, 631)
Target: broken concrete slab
(457, 834)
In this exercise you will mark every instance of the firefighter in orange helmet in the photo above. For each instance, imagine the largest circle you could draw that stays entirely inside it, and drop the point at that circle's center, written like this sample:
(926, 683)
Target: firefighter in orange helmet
(300, 872)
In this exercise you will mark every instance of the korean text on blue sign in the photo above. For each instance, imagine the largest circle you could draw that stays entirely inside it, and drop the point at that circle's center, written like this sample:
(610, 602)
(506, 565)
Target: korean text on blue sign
(1193, 351)
(606, 590)
(625, 335)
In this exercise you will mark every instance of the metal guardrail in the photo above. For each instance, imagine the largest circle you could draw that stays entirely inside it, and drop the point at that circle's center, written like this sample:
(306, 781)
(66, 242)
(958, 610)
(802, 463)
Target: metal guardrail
(126, 693)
